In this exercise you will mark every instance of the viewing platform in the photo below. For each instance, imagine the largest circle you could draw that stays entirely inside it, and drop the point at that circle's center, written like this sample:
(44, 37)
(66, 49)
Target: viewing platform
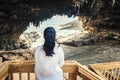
(24, 70)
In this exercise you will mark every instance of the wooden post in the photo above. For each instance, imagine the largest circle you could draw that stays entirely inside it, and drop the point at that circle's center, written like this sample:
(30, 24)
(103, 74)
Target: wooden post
(0, 60)
(28, 76)
(72, 76)
(10, 76)
(20, 76)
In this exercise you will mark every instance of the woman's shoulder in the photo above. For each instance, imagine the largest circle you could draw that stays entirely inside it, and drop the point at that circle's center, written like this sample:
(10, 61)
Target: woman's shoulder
(58, 47)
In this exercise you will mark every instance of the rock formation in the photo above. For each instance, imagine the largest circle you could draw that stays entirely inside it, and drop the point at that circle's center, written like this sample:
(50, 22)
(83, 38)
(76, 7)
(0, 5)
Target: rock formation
(15, 15)
(29, 37)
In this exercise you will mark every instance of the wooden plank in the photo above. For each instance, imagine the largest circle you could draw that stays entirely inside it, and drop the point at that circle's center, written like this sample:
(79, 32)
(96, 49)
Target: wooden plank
(69, 67)
(72, 76)
(22, 62)
(28, 76)
(88, 73)
(118, 74)
(21, 68)
(0, 60)
(20, 76)
(111, 76)
(10, 76)
(103, 66)
(4, 67)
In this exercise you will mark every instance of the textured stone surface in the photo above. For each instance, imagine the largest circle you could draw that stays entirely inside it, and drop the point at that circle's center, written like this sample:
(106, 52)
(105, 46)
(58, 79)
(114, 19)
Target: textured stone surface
(12, 45)
(17, 55)
(15, 15)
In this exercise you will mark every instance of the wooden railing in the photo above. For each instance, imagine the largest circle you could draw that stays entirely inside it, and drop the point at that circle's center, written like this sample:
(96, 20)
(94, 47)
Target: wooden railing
(109, 70)
(19, 70)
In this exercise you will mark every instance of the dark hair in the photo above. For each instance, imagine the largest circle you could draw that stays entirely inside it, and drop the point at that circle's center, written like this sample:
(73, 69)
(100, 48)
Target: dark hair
(49, 44)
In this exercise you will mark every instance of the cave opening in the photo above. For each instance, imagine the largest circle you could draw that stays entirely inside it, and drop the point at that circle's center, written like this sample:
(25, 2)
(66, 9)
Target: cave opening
(64, 26)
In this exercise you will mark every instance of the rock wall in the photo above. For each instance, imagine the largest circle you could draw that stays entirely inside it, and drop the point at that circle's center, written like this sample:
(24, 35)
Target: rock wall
(12, 30)
(102, 14)
(24, 41)
(17, 55)
(15, 15)
(29, 37)
(12, 45)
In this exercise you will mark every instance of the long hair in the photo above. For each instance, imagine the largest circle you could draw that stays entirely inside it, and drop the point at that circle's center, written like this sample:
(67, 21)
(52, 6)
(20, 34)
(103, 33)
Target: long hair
(49, 44)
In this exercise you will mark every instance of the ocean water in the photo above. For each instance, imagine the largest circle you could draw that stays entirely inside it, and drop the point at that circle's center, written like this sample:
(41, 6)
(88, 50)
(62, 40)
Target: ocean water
(56, 22)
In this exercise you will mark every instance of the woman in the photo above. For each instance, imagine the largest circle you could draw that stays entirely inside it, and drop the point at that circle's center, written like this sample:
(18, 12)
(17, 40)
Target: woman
(49, 58)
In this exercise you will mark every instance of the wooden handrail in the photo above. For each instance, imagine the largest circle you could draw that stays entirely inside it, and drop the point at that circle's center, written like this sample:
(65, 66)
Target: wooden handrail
(87, 73)
(28, 66)
(104, 66)
(73, 68)
(109, 70)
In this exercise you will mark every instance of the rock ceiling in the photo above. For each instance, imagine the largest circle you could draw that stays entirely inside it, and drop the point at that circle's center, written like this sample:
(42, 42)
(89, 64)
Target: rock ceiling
(15, 15)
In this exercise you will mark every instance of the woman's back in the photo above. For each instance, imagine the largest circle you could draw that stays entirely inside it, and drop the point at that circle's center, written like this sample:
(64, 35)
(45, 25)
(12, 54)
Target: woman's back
(49, 67)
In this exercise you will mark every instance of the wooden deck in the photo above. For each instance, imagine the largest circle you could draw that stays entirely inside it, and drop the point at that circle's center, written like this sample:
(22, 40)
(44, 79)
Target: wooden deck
(25, 71)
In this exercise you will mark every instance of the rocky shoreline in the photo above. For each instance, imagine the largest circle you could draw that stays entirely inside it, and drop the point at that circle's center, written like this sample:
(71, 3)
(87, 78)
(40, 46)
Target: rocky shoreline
(103, 51)
(84, 48)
